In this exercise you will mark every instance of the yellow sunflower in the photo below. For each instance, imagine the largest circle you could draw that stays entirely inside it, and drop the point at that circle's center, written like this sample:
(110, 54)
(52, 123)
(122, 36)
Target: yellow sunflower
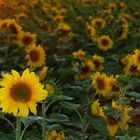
(98, 62)
(18, 93)
(96, 109)
(53, 135)
(14, 27)
(101, 83)
(114, 84)
(112, 125)
(80, 54)
(116, 105)
(43, 73)
(4, 23)
(98, 22)
(36, 56)
(131, 69)
(127, 117)
(136, 58)
(26, 38)
(105, 42)
(86, 67)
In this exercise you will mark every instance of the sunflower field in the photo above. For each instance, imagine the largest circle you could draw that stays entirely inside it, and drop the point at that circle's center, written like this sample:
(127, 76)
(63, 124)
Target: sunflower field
(69, 69)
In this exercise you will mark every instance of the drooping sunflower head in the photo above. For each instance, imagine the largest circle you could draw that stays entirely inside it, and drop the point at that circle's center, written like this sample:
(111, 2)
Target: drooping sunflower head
(96, 109)
(26, 38)
(112, 125)
(36, 56)
(21, 93)
(105, 42)
(54, 135)
(98, 62)
(126, 117)
(101, 83)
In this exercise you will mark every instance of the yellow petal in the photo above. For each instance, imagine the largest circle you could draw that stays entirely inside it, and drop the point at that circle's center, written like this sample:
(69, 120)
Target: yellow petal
(32, 107)
(23, 109)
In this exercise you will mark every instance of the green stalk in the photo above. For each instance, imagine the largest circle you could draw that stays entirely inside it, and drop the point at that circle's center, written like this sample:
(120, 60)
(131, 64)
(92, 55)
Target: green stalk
(43, 110)
(122, 111)
(18, 128)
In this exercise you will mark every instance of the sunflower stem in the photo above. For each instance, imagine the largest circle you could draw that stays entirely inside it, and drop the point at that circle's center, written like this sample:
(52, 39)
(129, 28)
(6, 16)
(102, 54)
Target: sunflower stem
(122, 112)
(18, 128)
(43, 110)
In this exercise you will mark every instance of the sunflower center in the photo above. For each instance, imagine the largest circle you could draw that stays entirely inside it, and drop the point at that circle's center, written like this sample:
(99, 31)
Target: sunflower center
(115, 88)
(27, 40)
(98, 23)
(105, 42)
(97, 63)
(34, 56)
(100, 84)
(21, 92)
(133, 69)
(13, 28)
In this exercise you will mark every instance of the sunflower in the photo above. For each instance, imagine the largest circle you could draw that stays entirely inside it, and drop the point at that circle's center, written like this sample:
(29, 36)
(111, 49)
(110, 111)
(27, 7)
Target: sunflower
(4, 23)
(114, 84)
(125, 60)
(105, 42)
(101, 83)
(87, 2)
(14, 27)
(98, 22)
(21, 93)
(80, 54)
(53, 135)
(96, 109)
(21, 16)
(98, 62)
(36, 56)
(26, 38)
(43, 73)
(127, 117)
(112, 125)
(86, 67)
(131, 69)
(52, 87)
(136, 58)
(116, 105)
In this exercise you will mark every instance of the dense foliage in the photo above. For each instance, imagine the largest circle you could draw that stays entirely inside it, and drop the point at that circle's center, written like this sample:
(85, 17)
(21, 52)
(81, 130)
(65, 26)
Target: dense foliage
(79, 60)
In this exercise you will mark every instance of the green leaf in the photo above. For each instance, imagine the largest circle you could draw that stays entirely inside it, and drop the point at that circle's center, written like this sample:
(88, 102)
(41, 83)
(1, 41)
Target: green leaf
(133, 94)
(97, 137)
(70, 106)
(126, 138)
(61, 98)
(100, 125)
(67, 72)
(56, 117)
(31, 119)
